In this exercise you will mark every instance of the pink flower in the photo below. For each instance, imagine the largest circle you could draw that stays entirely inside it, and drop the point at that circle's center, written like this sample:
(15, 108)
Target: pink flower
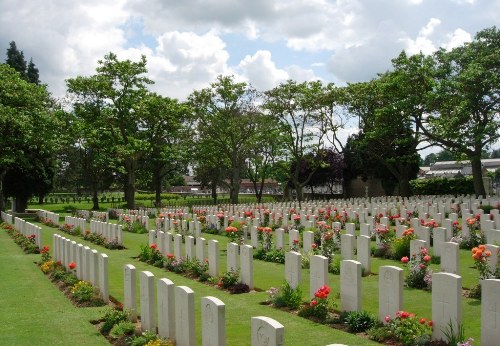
(388, 318)
(421, 266)
(314, 302)
(427, 258)
(314, 246)
(405, 259)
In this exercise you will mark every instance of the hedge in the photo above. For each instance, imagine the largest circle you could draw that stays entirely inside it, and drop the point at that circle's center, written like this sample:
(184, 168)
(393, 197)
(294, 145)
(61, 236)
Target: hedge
(442, 186)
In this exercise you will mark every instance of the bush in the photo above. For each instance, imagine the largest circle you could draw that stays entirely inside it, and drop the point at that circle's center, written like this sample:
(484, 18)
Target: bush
(288, 297)
(111, 318)
(122, 328)
(442, 186)
(82, 291)
(359, 321)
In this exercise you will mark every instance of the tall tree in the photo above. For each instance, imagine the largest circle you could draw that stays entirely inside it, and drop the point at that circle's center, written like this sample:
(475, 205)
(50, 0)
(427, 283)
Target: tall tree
(302, 110)
(29, 126)
(225, 114)
(32, 74)
(464, 106)
(167, 134)
(15, 59)
(120, 86)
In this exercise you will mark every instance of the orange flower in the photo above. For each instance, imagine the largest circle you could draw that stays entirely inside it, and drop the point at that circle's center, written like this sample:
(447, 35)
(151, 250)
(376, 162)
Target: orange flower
(487, 253)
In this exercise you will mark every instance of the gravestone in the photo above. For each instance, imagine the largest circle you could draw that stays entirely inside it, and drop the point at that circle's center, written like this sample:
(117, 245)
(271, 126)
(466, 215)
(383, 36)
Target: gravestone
(79, 261)
(416, 245)
(129, 291)
(254, 236)
(267, 332)
(213, 258)
(439, 237)
(347, 246)
(490, 312)
(233, 257)
(280, 238)
(450, 258)
(350, 228)
(293, 237)
(152, 237)
(200, 249)
(365, 229)
(103, 277)
(350, 285)
(246, 265)
(293, 268)
(178, 245)
(166, 308)
(318, 273)
(390, 291)
(184, 316)
(308, 241)
(493, 259)
(86, 263)
(446, 303)
(94, 268)
(147, 300)
(161, 242)
(190, 250)
(213, 322)
(364, 252)
(169, 240)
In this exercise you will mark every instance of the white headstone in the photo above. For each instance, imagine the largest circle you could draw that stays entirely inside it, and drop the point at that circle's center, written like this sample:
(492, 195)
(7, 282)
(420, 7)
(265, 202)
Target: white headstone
(246, 265)
(450, 258)
(390, 291)
(268, 332)
(347, 246)
(293, 268)
(147, 299)
(490, 312)
(318, 273)
(213, 322)
(350, 285)
(103, 277)
(184, 316)
(213, 258)
(129, 291)
(233, 255)
(166, 308)
(446, 303)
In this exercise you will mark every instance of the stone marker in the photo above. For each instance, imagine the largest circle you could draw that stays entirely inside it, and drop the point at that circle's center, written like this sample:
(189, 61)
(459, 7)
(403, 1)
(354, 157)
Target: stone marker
(268, 332)
(246, 265)
(184, 317)
(446, 303)
(347, 246)
(190, 250)
(390, 291)
(490, 312)
(293, 268)
(147, 298)
(350, 285)
(200, 249)
(129, 291)
(450, 258)
(364, 253)
(166, 308)
(318, 273)
(213, 322)
(233, 257)
(213, 258)
(103, 277)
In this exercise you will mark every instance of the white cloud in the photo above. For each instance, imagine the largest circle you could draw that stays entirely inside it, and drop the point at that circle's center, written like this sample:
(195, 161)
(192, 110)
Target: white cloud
(261, 71)
(429, 28)
(458, 38)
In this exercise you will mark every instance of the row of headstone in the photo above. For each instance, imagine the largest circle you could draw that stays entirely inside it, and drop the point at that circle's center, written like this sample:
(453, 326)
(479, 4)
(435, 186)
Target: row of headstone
(76, 222)
(7, 218)
(143, 219)
(29, 230)
(171, 313)
(183, 226)
(110, 231)
(100, 216)
(48, 215)
(91, 266)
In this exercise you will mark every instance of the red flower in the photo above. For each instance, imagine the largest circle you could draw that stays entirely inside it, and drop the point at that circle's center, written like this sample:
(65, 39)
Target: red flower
(405, 314)
(314, 246)
(170, 255)
(427, 258)
(295, 241)
(430, 323)
(72, 265)
(314, 302)
(388, 318)
(44, 250)
(423, 320)
(405, 259)
(154, 246)
(421, 266)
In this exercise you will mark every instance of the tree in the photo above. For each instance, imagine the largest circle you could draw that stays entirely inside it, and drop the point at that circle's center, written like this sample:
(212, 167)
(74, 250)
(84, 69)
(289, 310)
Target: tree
(302, 110)
(225, 116)
(167, 134)
(464, 106)
(119, 87)
(15, 59)
(29, 126)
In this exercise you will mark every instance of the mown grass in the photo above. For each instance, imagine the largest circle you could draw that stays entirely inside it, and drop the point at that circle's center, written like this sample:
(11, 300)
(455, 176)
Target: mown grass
(240, 308)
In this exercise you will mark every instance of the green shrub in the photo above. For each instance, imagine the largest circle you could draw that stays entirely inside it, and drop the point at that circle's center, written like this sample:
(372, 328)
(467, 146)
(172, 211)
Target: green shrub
(111, 318)
(442, 186)
(122, 328)
(359, 321)
(288, 297)
(82, 291)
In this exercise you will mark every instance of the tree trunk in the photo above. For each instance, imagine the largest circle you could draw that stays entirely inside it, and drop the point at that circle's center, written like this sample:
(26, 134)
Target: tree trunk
(95, 197)
(2, 198)
(213, 186)
(404, 187)
(235, 184)
(21, 204)
(477, 175)
(40, 199)
(129, 188)
(157, 187)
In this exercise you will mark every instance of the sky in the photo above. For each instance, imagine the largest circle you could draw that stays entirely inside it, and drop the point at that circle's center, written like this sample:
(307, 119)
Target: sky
(188, 43)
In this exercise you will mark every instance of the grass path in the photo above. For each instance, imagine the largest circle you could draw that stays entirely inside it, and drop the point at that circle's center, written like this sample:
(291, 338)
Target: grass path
(32, 310)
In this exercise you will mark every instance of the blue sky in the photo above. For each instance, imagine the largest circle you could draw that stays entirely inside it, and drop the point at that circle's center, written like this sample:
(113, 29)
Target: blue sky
(264, 42)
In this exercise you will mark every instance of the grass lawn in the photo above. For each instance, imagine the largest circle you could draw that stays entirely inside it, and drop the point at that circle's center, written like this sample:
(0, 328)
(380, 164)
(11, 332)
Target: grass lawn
(239, 308)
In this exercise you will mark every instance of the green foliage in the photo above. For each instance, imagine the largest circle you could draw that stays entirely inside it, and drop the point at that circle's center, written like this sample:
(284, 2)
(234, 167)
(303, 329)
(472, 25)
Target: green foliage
(152, 196)
(406, 328)
(288, 297)
(359, 321)
(442, 186)
(82, 291)
(455, 335)
(122, 328)
(111, 318)
(228, 279)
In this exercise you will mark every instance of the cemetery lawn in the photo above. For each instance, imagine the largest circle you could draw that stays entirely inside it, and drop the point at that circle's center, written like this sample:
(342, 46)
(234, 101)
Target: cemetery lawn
(240, 308)
(33, 311)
